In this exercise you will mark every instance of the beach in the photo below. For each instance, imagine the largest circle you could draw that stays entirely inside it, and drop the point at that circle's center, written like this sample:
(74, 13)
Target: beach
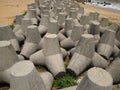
(10, 8)
(113, 15)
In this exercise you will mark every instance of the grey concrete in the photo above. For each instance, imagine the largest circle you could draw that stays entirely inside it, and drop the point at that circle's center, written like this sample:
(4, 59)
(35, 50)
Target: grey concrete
(118, 36)
(67, 43)
(68, 26)
(81, 10)
(61, 37)
(28, 49)
(38, 58)
(78, 64)
(47, 79)
(94, 16)
(53, 27)
(43, 26)
(77, 32)
(8, 57)
(61, 19)
(84, 20)
(83, 48)
(73, 13)
(116, 51)
(114, 27)
(33, 16)
(104, 21)
(94, 29)
(18, 22)
(81, 59)
(21, 33)
(99, 61)
(54, 60)
(113, 69)
(96, 79)
(67, 9)
(106, 43)
(7, 34)
(24, 76)
(21, 57)
(31, 44)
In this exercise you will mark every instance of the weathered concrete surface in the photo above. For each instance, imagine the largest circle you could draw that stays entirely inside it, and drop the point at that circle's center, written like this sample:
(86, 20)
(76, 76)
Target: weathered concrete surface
(96, 79)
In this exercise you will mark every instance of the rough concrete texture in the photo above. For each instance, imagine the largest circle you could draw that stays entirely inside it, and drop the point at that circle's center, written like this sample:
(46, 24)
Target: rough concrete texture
(96, 79)
(24, 76)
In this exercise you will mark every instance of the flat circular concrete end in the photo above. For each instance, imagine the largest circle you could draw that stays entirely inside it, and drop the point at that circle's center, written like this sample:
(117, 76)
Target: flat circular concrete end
(48, 35)
(100, 77)
(87, 36)
(22, 68)
(95, 22)
(4, 43)
(32, 27)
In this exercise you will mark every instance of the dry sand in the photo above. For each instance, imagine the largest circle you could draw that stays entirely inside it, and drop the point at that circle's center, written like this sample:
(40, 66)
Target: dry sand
(114, 15)
(10, 8)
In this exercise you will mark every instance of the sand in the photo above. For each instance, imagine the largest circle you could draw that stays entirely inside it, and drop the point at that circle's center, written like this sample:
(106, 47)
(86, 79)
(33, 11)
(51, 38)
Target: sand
(10, 8)
(114, 15)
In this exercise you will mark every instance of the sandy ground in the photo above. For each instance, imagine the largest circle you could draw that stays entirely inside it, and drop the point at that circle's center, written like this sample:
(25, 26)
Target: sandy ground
(114, 15)
(10, 8)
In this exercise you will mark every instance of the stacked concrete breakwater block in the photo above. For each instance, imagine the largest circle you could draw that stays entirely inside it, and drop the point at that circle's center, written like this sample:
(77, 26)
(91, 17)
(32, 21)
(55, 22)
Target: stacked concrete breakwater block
(51, 31)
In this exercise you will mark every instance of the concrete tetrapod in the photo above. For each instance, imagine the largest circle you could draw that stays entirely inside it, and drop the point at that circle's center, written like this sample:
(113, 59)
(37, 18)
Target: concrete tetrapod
(77, 32)
(99, 61)
(68, 26)
(53, 27)
(104, 21)
(118, 37)
(32, 41)
(94, 16)
(73, 13)
(116, 51)
(8, 57)
(38, 58)
(18, 22)
(33, 16)
(67, 43)
(24, 76)
(114, 70)
(94, 29)
(47, 79)
(81, 10)
(61, 37)
(7, 34)
(43, 26)
(81, 59)
(84, 20)
(106, 43)
(61, 19)
(114, 27)
(96, 79)
(21, 33)
(53, 56)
